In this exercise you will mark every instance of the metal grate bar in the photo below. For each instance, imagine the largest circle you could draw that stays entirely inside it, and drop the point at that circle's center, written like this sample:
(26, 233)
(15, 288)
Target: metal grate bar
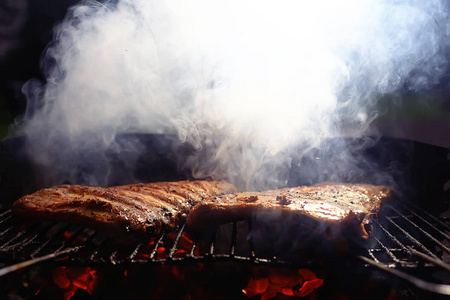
(5, 232)
(443, 224)
(7, 246)
(192, 252)
(428, 235)
(233, 240)
(31, 262)
(155, 248)
(431, 287)
(433, 260)
(27, 240)
(53, 238)
(96, 252)
(7, 218)
(73, 237)
(392, 237)
(388, 251)
(176, 242)
(424, 212)
(411, 238)
(213, 240)
(135, 252)
(8, 211)
(68, 244)
(112, 257)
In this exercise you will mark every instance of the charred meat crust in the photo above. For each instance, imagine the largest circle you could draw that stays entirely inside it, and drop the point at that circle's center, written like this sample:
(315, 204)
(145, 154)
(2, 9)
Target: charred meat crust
(346, 206)
(118, 211)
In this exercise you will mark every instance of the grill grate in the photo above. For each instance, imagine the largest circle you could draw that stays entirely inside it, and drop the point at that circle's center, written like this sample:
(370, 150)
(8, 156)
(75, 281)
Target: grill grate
(399, 237)
(405, 241)
(20, 243)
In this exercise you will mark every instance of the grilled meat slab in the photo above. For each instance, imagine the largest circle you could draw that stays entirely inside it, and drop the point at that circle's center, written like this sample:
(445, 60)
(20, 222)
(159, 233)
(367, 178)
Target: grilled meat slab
(332, 205)
(136, 208)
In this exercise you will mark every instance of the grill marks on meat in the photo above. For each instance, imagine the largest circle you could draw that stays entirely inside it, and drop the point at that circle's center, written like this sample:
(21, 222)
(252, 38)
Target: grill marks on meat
(329, 204)
(180, 194)
(139, 208)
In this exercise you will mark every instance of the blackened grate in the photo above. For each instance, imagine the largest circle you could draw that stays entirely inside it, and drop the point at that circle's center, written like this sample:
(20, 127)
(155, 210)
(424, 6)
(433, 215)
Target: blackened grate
(79, 245)
(400, 236)
(413, 245)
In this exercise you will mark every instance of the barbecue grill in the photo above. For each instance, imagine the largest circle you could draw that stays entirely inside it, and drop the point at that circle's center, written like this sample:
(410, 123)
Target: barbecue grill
(409, 244)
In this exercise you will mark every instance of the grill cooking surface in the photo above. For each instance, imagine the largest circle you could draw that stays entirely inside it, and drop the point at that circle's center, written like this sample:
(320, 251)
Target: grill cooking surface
(81, 245)
(405, 241)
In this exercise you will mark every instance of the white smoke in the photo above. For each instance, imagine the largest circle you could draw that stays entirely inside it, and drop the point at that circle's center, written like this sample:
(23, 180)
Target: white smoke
(242, 82)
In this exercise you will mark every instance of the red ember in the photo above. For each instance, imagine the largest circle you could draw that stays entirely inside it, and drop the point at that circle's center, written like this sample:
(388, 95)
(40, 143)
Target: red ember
(69, 279)
(288, 282)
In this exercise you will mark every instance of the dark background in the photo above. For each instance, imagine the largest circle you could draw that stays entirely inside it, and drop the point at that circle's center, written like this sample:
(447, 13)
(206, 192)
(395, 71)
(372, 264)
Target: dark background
(26, 27)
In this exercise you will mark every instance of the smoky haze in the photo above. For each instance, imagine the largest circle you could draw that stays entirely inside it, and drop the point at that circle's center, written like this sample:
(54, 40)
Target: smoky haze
(250, 87)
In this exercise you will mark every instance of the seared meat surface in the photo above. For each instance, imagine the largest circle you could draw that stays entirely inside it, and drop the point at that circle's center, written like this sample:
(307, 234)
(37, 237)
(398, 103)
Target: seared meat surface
(136, 208)
(333, 205)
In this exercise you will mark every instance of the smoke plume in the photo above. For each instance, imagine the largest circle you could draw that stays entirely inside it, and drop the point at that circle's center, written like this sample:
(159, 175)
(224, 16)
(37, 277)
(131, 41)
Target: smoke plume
(250, 87)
